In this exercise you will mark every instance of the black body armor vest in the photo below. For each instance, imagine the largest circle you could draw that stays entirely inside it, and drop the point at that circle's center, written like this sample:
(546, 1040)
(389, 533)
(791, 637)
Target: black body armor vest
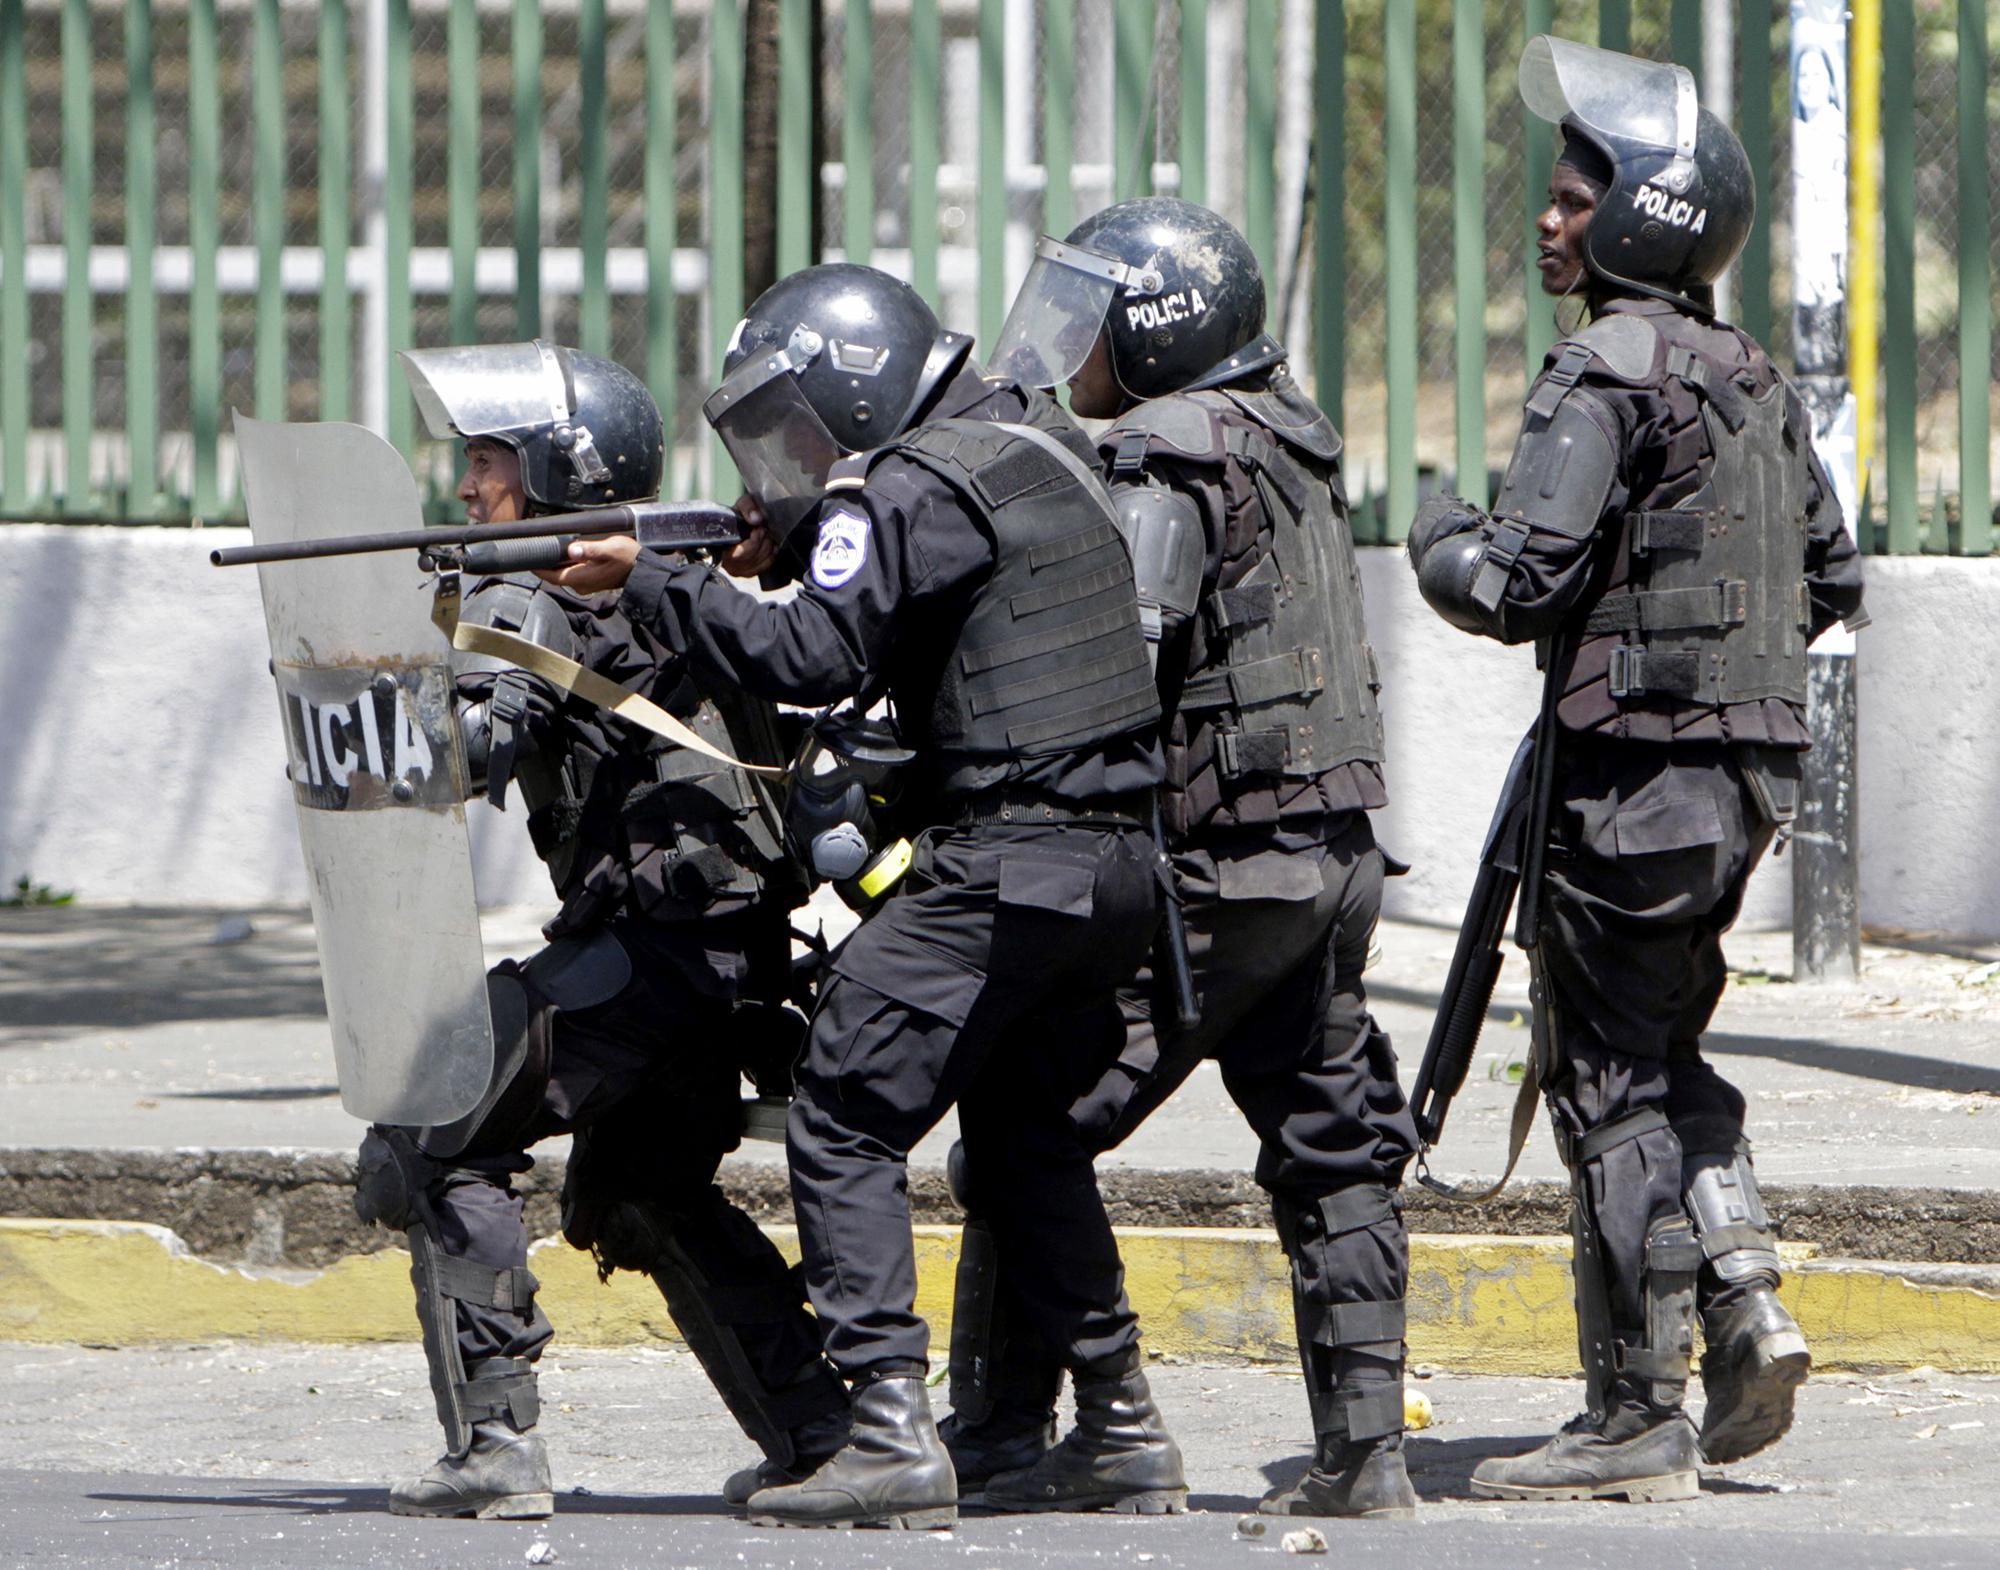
(1281, 669)
(1711, 609)
(1050, 657)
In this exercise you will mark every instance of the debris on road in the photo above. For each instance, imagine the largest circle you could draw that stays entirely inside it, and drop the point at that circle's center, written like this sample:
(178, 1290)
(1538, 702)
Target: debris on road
(1307, 1540)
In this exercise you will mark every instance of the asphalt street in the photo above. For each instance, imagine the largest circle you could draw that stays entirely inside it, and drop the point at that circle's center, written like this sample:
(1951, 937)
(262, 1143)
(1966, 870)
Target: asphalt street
(135, 1028)
(253, 1456)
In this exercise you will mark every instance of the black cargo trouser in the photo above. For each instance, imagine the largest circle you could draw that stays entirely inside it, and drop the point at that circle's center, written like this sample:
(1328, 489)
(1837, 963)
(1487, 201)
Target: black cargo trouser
(988, 979)
(1651, 848)
(1278, 935)
(651, 1076)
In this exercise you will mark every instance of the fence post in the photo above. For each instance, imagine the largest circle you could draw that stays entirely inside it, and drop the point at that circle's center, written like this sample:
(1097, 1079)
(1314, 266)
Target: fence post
(1899, 272)
(795, 136)
(857, 137)
(267, 116)
(1132, 97)
(142, 334)
(593, 313)
(204, 234)
(926, 68)
(992, 157)
(13, 257)
(79, 140)
(1468, 241)
(662, 192)
(1753, 121)
(1192, 152)
(398, 182)
(336, 340)
(1614, 25)
(1330, 209)
(1538, 329)
(527, 51)
(725, 200)
(1260, 137)
(1399, 233)
(1975, 283)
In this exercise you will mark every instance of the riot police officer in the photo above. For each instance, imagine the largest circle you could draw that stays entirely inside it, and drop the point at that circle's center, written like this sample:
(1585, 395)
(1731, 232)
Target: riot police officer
(1227, 481)
(964, 561)
(663, 977)
(1666, 535)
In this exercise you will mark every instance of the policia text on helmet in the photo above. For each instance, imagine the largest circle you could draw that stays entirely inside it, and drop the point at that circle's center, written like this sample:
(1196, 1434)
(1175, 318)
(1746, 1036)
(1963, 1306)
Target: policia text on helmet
(1145, 298)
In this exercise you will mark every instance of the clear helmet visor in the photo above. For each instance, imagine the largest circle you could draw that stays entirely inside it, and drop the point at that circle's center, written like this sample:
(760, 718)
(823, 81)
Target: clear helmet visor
(487, 389)
(1614, 94)
(778, 444)
(1057, 315)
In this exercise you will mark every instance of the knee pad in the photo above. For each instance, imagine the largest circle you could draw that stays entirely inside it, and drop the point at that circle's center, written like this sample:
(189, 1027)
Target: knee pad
(391, 1176)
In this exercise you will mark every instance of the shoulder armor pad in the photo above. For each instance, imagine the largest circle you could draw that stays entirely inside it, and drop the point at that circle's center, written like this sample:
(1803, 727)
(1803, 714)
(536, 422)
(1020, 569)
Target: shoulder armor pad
(526, 609)
(1627, 343)
(1288, 414)
(1178, 424)
(1163, 532)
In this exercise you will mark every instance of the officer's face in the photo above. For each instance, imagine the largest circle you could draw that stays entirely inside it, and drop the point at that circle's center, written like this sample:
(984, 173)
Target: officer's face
(491, 489)
(1093, 391)
(1572, 200)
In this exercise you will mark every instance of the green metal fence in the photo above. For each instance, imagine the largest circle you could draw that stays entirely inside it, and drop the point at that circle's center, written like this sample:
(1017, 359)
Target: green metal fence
(208, 204)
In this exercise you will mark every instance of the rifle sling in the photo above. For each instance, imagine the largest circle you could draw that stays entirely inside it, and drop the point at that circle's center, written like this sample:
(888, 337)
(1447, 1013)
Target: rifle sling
(632, 707)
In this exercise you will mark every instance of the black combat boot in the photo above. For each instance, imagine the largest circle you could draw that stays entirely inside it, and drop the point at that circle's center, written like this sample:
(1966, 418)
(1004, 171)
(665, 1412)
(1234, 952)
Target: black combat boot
(1637, 1451)
(893, 1471)
(1755, 1361)
(504, 1476)
(1350, 1477)
(1010, 1440)
(813, 1445)
(1119, 1457)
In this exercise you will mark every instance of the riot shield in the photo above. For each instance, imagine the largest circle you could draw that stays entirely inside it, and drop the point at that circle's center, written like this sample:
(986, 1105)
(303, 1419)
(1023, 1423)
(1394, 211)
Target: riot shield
(376, 769)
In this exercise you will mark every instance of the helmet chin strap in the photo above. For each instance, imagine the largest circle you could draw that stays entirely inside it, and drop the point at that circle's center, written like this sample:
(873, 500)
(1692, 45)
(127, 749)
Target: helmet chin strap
(1581, 303)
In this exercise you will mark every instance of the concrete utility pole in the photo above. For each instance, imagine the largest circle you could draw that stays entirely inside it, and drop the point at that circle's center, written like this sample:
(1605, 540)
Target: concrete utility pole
(1826, 874)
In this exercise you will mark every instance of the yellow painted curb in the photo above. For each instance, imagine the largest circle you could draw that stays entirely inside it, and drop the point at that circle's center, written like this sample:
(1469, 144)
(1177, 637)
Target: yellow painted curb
(1497, 1305)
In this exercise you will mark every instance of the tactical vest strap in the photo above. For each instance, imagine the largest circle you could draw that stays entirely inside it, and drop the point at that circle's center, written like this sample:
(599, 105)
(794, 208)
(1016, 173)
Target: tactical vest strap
(1637, 671)
(1130, 457)
(1558, 379)
(1673, 530)
(1715, 605)
(1489, 585)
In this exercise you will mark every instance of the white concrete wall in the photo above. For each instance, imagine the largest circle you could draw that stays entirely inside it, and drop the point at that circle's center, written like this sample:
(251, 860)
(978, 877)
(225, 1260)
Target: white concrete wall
(140, 755)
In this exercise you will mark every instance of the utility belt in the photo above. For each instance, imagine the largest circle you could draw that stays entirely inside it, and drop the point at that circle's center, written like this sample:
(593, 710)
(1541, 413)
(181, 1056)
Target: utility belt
(1030, 808)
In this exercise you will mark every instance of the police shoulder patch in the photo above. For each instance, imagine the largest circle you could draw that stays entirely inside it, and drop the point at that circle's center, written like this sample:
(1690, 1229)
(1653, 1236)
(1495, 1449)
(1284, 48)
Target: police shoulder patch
(842, 549)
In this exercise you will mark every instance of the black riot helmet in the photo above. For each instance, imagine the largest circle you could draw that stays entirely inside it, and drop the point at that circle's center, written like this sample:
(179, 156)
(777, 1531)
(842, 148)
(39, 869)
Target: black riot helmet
(586, 429)
(1177, 289)
(1681, 194)
(833, 360)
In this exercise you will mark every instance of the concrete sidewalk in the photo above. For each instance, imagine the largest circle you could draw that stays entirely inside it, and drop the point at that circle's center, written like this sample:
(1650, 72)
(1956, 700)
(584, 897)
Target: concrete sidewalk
(135, 1029)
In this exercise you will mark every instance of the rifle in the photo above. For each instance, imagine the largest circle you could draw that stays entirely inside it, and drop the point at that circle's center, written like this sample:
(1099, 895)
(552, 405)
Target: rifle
(488, 548)
(1510, 864)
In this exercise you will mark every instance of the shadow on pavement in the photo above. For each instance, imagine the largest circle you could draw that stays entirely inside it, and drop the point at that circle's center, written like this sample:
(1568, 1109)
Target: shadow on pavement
(67, 971)
(337, 1499)
(1876, 1063)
